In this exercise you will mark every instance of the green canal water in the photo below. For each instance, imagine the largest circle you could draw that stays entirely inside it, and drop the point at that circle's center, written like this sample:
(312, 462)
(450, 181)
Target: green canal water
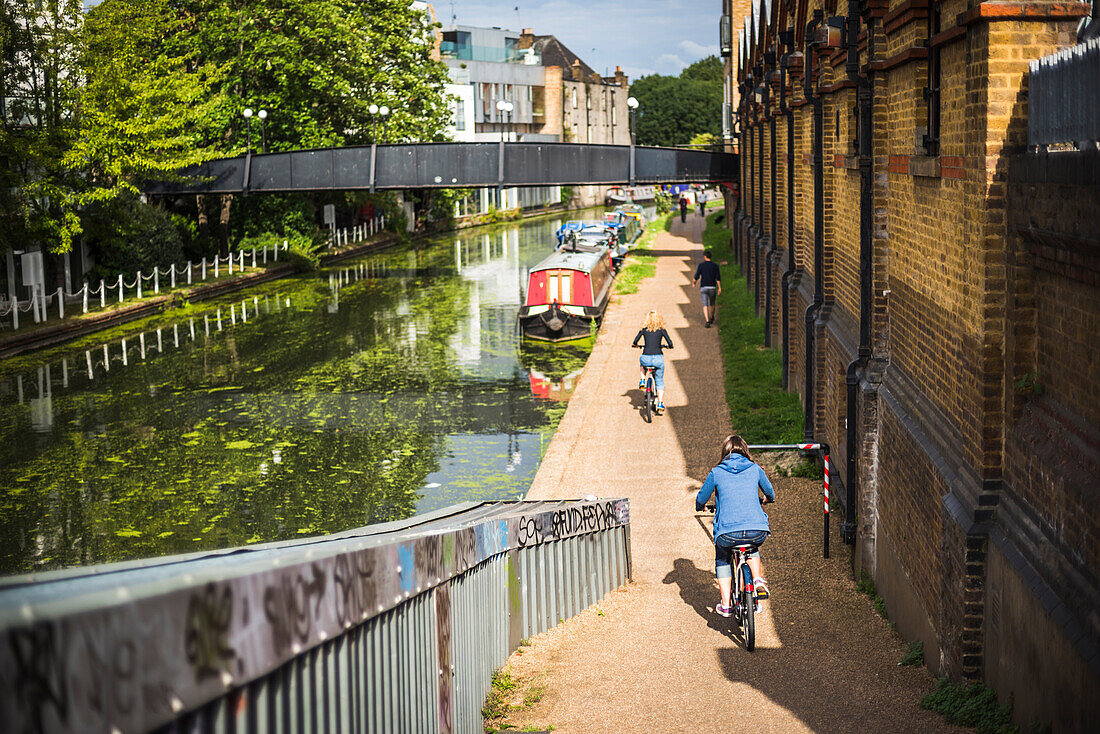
(378, 388)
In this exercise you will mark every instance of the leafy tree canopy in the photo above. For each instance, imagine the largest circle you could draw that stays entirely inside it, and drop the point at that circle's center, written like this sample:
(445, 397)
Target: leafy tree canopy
(674, 109)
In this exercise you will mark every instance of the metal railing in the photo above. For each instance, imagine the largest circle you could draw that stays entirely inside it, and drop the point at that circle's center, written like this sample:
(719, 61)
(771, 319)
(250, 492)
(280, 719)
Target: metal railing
(387, 628)
(1064, 97)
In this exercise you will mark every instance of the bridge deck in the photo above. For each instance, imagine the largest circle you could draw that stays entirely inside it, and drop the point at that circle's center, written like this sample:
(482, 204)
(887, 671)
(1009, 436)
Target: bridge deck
(452, 165)
(661, 660)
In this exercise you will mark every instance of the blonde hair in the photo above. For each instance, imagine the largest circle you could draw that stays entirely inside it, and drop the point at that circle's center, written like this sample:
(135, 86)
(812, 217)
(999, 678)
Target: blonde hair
(653, 321)
(734, 444)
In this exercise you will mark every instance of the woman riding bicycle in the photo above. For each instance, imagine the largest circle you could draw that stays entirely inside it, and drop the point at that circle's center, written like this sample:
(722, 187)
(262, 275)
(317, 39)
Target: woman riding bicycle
(654, 334)
(738, 517)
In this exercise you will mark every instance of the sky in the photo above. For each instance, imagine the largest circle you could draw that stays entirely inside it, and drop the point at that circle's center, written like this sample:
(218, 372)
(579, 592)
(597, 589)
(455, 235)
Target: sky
(642, 36)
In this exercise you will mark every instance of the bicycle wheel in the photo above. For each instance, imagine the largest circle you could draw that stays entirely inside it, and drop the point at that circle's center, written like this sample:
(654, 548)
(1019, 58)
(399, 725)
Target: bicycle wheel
(748, 610)
(647, 401)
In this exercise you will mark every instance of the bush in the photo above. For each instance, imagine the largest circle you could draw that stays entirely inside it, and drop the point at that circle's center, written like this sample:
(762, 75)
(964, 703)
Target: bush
(284, 215)
(914, 654)
(664, 202)
(127, 235)
(303, 252)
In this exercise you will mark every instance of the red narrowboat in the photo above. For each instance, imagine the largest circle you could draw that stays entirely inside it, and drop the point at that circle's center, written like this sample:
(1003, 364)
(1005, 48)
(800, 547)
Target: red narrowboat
(566, 293)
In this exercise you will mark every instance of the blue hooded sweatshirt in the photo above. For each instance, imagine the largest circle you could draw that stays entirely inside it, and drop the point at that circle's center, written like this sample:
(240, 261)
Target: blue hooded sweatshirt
(737, 506)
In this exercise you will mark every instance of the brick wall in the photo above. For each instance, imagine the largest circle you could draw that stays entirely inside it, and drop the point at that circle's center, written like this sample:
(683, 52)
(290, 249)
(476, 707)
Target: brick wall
(978, 412)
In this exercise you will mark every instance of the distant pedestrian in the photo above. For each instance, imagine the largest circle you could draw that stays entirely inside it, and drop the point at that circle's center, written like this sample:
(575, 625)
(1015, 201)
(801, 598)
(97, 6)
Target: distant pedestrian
(702, 197)
(683, 207)
(709, 278)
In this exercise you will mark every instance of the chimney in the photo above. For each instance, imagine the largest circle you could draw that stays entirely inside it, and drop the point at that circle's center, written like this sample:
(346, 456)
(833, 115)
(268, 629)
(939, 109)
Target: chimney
(526, 39)
(620, 77)
(578, 75)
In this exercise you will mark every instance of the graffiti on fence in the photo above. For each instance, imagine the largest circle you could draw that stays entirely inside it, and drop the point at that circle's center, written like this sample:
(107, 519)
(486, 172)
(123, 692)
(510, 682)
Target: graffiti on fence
(588, 517)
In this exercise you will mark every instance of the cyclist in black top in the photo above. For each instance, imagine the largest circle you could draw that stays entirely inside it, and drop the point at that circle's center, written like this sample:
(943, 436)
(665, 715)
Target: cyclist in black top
(709, 278)
(655, 336)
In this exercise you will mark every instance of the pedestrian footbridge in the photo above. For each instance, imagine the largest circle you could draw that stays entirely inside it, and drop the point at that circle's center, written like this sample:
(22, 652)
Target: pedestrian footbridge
(386, 628)
(452, 165)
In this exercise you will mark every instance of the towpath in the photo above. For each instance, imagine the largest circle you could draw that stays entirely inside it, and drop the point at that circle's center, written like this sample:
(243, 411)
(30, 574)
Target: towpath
(655, 658)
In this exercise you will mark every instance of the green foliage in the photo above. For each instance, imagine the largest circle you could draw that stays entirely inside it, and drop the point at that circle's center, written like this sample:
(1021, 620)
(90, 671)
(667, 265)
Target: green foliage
(283, 215)
(914, 653)
(128, 235)
(663, 199)
(706, 141)
(673, 110)
(496, 704)
(970, 705)
(759, 407)
(866, 585)
(303, 251)
(566, 194)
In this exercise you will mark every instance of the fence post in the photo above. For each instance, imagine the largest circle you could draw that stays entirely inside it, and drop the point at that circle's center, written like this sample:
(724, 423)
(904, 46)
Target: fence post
(15, 315)
(188, 272)
(253, 257)
(241, 264)
(216, 259)
(265, 254)
(230, 262)
(85, 304)
(120, 288)
(172, 273)
(156, 279)
(139, 284)
(102, 293)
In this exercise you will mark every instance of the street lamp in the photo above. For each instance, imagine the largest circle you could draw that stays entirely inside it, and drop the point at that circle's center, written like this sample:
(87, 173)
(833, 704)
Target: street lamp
(262, 114)
(633, 105)
(248, 116)
(504, 107)
(385, 112)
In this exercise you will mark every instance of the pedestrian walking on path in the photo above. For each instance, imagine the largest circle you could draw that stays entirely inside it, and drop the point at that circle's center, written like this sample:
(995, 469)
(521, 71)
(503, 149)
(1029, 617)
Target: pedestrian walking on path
(709, 278)
(701, 197)
(683, 208)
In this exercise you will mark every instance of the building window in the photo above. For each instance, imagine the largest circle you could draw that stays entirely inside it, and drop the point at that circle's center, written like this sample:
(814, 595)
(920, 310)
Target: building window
(460, 115)
(932, 91)
(573, 94)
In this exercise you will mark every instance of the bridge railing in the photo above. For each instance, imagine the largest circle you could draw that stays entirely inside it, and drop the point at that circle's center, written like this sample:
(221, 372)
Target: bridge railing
(1063, 104)
(388, 628)
(451, 165)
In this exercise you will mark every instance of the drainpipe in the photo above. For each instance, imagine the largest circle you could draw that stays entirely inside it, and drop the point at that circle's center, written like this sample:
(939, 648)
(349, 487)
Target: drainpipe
(819, 221)
(750, 233)
(758, 242)
(856, 367)
(772, 248)
(786, 109)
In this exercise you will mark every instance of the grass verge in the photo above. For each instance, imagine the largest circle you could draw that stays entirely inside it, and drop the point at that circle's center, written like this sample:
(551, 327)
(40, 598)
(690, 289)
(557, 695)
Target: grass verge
(760, 410)
(640, 265)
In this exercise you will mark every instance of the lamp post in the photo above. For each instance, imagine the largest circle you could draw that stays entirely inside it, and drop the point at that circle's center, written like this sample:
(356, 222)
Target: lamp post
(262, 114)
(504, 107)
(384, 111)
(632, 103)
(373, 110)
(248, 116)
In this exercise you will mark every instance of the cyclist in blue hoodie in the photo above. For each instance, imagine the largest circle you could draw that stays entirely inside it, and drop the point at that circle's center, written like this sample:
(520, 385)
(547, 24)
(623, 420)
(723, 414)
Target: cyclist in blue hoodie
(738, 516)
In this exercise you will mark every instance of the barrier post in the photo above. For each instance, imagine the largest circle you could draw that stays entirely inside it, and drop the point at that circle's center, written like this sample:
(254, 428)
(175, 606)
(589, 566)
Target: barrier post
(231, 262)
(172, 274)
(265, 254)
(216, 259)
(84, 305)
(188, 272)
(120, 287)
(253, 257)
(102, 294)
(139, 284)
(825, 455)
(156, 279)
(15, 314)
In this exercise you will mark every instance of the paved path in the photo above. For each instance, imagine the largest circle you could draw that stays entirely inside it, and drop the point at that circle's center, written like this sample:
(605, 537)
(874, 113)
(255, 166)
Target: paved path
(657, 659)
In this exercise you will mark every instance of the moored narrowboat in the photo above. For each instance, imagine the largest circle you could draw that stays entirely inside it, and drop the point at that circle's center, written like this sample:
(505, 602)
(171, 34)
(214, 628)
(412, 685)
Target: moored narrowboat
(566, 293)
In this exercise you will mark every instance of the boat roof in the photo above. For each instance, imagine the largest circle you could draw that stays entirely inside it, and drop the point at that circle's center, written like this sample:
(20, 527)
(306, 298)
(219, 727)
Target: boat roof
(569, 260)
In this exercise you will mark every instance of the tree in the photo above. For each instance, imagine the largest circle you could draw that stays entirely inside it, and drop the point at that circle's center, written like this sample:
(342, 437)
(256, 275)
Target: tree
(39, 83)
(673, 110)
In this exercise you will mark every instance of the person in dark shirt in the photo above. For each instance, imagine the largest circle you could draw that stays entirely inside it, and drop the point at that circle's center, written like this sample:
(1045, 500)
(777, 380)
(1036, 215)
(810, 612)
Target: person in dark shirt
(655, 336)
(683, 208)
(709, 278)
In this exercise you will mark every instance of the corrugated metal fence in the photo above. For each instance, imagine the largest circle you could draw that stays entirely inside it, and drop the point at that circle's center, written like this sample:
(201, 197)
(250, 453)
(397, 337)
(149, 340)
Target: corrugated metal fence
(1064, 97)
(391, 628)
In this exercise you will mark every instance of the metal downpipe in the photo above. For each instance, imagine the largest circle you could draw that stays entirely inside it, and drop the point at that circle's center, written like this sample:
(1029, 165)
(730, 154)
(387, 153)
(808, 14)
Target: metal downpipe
(857, 366)
(819, 223)
(785, 109)
(772, 249)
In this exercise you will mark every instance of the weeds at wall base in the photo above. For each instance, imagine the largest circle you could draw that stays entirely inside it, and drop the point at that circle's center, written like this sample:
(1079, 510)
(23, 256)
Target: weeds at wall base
(973, 705)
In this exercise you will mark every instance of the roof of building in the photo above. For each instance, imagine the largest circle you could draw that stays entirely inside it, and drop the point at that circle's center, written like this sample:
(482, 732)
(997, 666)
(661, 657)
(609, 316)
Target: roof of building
(556, 53)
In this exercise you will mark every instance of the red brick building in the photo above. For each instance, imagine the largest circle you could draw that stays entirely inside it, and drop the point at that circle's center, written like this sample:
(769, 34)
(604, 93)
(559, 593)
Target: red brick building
(932, 280)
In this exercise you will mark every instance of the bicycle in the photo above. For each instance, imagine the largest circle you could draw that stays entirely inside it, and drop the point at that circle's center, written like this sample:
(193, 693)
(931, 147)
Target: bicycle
(649, 399)
(744, 599)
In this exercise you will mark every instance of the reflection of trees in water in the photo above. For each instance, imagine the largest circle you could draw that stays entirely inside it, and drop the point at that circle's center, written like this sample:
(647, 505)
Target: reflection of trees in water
(297, 421)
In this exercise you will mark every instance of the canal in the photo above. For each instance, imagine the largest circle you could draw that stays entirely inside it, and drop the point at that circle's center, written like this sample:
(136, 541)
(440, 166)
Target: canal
(384, 386)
